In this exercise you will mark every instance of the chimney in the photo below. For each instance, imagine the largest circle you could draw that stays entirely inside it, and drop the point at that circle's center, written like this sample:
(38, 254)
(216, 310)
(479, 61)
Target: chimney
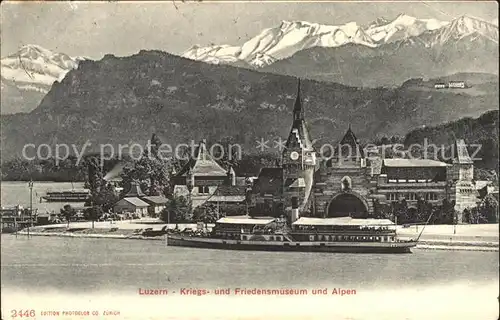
(295, 210)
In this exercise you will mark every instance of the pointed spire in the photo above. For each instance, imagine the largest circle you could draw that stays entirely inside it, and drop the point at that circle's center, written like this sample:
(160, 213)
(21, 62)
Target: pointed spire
(298, 112)
(202, 150)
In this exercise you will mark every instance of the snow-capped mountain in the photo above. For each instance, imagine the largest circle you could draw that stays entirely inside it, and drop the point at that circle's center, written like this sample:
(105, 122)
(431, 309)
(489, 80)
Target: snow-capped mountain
(281, 42)
(403, 27)
(30, 72)
(466, 44)
(466, 26)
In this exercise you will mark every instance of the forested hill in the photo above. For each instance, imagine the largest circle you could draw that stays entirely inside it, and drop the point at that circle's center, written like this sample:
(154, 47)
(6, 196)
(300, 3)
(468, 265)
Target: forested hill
(123, 100)
(481, 131)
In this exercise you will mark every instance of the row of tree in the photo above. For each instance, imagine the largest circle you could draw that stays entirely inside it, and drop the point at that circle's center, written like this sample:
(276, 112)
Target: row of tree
(424, 212)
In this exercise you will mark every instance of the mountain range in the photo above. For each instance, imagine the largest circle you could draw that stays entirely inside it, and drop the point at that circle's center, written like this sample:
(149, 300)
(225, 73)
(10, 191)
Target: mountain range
(28, 74)
(384, 53)
(122, 100)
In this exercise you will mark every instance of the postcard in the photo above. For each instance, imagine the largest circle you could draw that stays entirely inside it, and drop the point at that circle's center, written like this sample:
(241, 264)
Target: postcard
(249, 160)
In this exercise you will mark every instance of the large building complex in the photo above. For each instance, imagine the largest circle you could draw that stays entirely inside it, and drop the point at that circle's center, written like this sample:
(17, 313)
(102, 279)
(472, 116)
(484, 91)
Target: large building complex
(349, 182)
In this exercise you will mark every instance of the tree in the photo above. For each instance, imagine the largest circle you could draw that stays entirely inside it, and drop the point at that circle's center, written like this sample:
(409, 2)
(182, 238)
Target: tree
(485, 212)
(93, 213)
(68, 212)
(206, 213)
(105, 198)
(151, 170)
(489, 210)
(447, 212)
(178, 209)
(400, 211)
(424, 209)
(381, 211)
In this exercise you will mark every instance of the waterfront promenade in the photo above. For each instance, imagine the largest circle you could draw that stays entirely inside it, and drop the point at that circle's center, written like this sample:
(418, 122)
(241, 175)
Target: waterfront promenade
(482, 237)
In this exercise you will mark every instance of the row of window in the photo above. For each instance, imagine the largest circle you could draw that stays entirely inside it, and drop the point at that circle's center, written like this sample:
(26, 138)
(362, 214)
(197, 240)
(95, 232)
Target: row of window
(466, 191)
(350, 238)
(270, 238)
(395, 196)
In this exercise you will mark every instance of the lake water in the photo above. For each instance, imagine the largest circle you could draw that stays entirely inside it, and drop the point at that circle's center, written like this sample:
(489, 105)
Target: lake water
(46, 273)
(57, 274)
(18, 193)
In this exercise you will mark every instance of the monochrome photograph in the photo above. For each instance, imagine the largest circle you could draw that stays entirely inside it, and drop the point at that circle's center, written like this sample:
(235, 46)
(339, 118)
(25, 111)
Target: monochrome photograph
(249, 160)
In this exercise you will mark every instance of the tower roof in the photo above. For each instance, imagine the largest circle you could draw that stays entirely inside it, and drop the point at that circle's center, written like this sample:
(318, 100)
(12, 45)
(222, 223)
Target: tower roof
(299, 134)
(135, 190)
(462, 155)
(350, 140)
(298, 111)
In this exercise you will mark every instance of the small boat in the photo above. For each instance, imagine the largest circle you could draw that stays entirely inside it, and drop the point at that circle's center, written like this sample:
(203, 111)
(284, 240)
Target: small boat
(307, 234)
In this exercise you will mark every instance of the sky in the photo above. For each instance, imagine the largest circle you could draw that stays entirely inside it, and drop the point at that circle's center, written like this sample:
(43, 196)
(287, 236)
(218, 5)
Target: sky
(124, 28)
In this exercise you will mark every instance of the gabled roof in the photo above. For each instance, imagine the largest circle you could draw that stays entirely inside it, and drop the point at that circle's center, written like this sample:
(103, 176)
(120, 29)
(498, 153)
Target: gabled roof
(295, 183)
(228, 190)
(202, 164)
(227, 193)
(135, 201)
(417, 163)
(155, 199)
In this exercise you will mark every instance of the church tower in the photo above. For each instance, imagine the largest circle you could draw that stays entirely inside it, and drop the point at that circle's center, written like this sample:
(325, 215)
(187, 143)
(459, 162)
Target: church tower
(298, 160)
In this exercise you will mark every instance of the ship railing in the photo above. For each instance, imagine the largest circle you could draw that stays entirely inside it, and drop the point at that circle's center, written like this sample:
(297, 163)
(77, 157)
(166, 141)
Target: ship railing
(360, 232)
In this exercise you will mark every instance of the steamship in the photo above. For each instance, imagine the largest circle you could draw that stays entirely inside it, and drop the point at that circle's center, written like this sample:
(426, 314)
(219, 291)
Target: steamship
(344, 234)
(66, 196)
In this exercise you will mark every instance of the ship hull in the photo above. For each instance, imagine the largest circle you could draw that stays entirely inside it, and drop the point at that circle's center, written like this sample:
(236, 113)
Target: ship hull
(303, 246)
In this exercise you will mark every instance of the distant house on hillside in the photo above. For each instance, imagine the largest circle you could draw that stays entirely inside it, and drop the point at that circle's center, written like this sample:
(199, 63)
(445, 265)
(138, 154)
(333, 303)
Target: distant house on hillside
(456, 85)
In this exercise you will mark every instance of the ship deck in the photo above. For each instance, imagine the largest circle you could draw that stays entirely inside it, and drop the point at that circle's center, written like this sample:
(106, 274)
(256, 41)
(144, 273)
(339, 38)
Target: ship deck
(320, 246)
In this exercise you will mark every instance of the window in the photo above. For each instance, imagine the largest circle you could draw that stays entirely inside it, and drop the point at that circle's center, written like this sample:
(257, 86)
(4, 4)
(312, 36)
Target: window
(431, 196)
(203, 190)
(411, 196)
(392, 196)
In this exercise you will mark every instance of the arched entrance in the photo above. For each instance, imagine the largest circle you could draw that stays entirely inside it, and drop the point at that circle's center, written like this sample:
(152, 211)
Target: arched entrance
(347, 204)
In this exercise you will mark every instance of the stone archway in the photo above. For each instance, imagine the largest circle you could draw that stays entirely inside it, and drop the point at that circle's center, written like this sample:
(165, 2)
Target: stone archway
(347, 204)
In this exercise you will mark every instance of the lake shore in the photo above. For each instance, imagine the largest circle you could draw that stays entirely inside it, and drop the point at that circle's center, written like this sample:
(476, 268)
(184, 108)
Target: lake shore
(434, 237)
